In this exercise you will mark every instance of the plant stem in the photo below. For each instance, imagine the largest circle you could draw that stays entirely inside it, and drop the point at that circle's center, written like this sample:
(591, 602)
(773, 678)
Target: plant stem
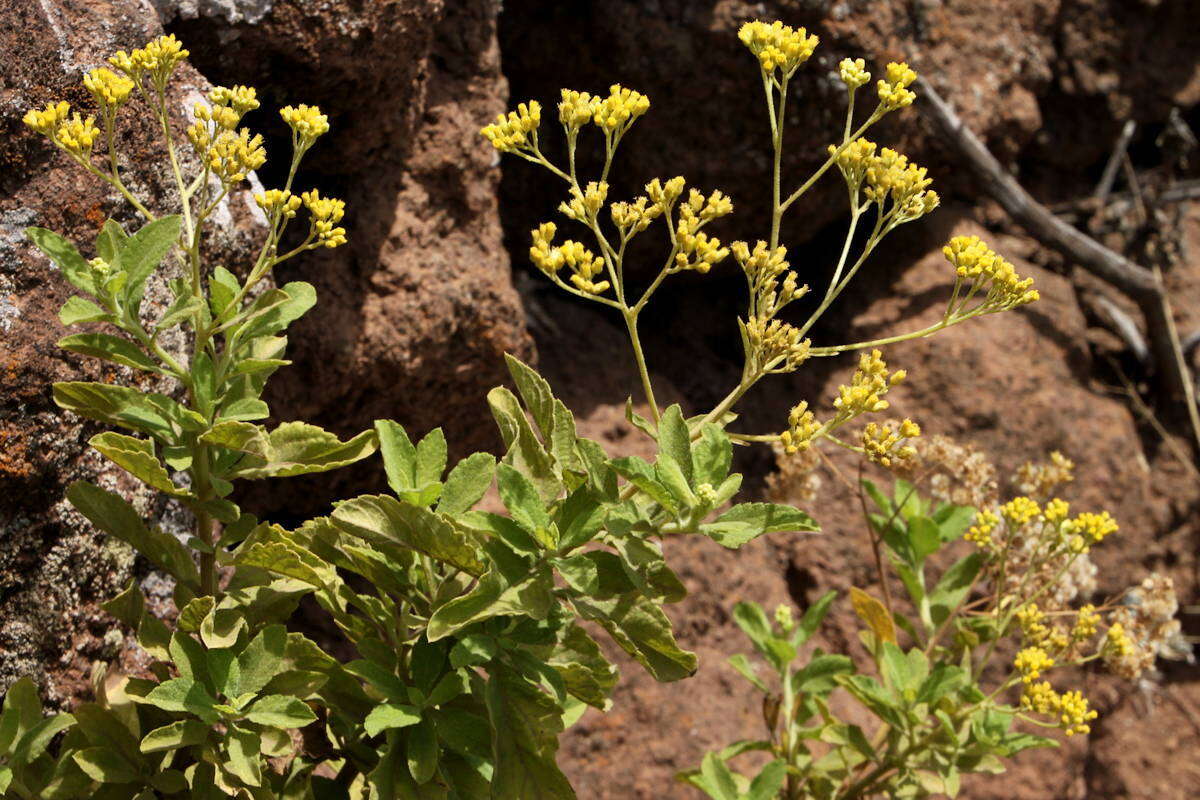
(631, 323)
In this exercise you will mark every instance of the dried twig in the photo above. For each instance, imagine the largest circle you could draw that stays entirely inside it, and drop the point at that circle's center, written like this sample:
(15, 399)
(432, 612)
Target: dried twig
(1100, 196)
(1120, 202)
(1143, 286)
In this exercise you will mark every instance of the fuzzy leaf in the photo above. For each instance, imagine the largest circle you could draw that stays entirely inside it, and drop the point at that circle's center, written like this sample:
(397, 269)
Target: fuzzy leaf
(262, 659)
(523, 502)
(114, 516)
(78, 309)
(388, 716)
(105, 766)
(280, 711)
(137, 457)
(525, 725)
(123, 407)
(467, 483)
(493, 596)
(747, 521)
(379, 518)
(184, 695)
(293, 448)
(640, 627)
(64, 255)
(675, 440)
(142, 252)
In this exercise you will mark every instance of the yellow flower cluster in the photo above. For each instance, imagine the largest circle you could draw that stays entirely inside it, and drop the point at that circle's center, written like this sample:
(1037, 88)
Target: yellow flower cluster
(1056, 511)
(1039, 480)
(636, 216)
(854, 73)
(868, 385)
(980, 266)
(232, 155)
(1033, 624)
(242, 99)
(1088, 529)
(76, 134)
(1031, 661)
(854, 160)
(664, 195)
(1087, 622)
(888, 175)
(1071, 708)
(893, 88)
(278, 201)
(326, 212)
(512, 133)
(48, 119)
(615, 113)
(772, 340)
(1019, 511)
(550, 258)
(981, 532)
(802, 427)
(778, 46)
(307, 124)
(697, 250)
(576, 109)
(157, 59)
(885, 444)
(109, 89)
(584, 206)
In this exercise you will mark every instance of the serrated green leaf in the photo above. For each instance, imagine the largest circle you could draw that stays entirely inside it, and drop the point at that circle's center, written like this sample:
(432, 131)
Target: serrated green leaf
(243, 750)
(64, 255)
(379, 518)
(769, 781)
(111, 241)
(184, 695)
(467, 483)
(524, 451)
(493, 596)
(109, 348)
(123, 407)
(262, 659)
(813, 618)
(78, 310)
(819, 674)
(675, 440)
(718, 779)
(114, 516)
(712, 455)
(280, 711)
(137, 457)
(298, 298)
(747, 521)
(525, 724)
(388, 716)
(30, 745)
(105, 766)
(293, 448)
(642, 475)
(523, 502)
(640, 627)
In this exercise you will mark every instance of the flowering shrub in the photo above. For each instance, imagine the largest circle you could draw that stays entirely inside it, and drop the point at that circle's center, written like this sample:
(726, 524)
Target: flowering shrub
(468, 625)
(962, 669)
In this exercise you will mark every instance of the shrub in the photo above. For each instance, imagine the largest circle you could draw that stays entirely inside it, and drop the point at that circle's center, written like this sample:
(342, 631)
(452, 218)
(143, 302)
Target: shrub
(473, 629)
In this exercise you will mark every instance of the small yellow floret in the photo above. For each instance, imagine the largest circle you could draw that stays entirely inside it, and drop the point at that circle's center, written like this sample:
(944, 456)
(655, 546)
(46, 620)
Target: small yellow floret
(615, 113)
(778, 46)
(1031, 661)
(48, 119)
(278, 200)
(307, 123)
(1086, 623)
(868, 385)
(326, 212)
(242, 99)
(77, 135)
(1075, 713)
(981, 532)
(1019, 511)
(157, 59)
(893, 89)
(802, 427)
(1092, 527)
(885, 444)
(1056, 511)
(854, 72)
(517, 130)
(231, 156)
(978, 266)
(108, 88)
(576, 109)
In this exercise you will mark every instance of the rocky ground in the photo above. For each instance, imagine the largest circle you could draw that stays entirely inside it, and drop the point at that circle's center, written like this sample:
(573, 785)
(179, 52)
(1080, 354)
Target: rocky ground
(414, 315)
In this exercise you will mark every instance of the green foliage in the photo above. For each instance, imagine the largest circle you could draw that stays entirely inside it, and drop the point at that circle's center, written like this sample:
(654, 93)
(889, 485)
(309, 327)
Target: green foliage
(932, 722)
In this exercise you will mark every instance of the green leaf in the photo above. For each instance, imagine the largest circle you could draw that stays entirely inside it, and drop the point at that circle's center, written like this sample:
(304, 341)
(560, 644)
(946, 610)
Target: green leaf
(114, 516)
(293, 448)
(137, 457)
(289, 303)
(399, 455)
(184, 694)
(124, 407)
(642, 475)
(431, 458)
(467, 483)
(747, 521)
(712, 455)
(111, 241)
(290, 560)
(640, 627)
(105, 766)
(954, 585)
(184, 733)
(78, 309)
(280, 711)
(262, 659)
(493, 596)
(379, 518)
(953, 521)
(813, 618)
(421, 750)
(769, 781)
(223, 286)
(522, 500)
(718, 780)
(675, 440)
(753, 621)
(64, 255)
(31, 744)
(744, 668)
(142, 252)
(818, 675)
(245, 760)
(525, 452)
(525, 724)
(669, 474)
(924, 537)
(183, 307)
